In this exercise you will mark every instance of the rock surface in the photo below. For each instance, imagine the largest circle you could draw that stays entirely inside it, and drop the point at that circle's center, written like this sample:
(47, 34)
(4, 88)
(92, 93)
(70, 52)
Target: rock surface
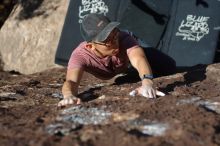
(189, 114)
(30, 35)
(213, 71)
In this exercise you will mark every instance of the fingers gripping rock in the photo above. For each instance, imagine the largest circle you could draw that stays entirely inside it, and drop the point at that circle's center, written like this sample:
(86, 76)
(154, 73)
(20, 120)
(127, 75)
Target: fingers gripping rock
(68, 101)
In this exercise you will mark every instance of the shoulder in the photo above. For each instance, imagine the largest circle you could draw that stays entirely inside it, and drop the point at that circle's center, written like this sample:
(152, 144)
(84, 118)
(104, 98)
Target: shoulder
(124, 34)
(80, 51)
(126, 39)
(80, 48)
(78, 56)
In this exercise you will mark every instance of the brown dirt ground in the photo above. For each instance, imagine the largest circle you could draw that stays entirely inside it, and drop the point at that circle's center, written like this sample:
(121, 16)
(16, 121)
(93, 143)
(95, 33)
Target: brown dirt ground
(28, 106)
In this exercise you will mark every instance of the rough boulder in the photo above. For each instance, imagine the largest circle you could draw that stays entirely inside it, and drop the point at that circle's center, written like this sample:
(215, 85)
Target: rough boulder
(30, 35)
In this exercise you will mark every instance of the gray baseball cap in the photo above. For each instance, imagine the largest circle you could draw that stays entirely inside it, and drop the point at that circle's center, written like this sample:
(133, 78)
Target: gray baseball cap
(96, 27)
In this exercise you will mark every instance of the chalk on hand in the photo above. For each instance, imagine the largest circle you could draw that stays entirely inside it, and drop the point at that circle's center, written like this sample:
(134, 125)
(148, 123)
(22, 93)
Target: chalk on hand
(159, 93)
(133, 93)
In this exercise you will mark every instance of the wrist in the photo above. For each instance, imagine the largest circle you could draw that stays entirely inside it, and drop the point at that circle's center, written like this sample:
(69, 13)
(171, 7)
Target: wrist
(71, 97)
(147, 76)
(147, 81)
(68, 96)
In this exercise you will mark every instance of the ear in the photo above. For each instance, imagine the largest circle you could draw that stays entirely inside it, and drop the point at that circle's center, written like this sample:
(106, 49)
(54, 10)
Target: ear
(90, 46)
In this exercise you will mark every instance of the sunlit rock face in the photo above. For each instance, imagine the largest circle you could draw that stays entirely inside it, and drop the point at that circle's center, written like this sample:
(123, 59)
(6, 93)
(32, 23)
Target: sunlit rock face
(30, 35)
(213, 72)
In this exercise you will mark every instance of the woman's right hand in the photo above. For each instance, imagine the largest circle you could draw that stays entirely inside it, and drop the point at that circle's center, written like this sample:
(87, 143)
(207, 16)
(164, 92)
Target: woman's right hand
(68, 101)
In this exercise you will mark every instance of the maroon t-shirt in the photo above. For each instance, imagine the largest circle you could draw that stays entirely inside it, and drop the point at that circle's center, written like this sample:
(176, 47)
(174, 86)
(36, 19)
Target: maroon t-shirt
(103, 67)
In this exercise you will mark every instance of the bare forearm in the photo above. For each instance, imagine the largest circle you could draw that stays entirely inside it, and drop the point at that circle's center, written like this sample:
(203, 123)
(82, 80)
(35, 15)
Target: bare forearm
(139, 61)
(142, 66)
(69, 88)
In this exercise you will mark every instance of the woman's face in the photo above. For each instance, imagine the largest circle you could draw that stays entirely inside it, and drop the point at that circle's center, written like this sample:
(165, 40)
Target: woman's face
(109, 47)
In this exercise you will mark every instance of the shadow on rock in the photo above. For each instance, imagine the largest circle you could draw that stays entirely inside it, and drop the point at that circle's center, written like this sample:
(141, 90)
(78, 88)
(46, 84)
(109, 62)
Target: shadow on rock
(89, 94)
(193, 74)
(28, 8)
(131, 77)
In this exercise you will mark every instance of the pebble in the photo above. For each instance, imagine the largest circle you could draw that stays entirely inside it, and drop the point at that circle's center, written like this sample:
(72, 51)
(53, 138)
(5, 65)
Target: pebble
(209, 105)
(102, 97)
(57, 95)
(8, 96)
(188, 100)
(85, 116)
(60, 129)
(149, 128)
(55, 85)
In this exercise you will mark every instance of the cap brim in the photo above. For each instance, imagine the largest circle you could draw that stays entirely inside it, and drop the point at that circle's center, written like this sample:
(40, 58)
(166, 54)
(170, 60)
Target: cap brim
(105, 32)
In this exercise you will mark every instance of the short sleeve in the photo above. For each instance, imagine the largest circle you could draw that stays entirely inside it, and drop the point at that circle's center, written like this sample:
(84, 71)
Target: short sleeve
(76, 61)
(127, 42)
